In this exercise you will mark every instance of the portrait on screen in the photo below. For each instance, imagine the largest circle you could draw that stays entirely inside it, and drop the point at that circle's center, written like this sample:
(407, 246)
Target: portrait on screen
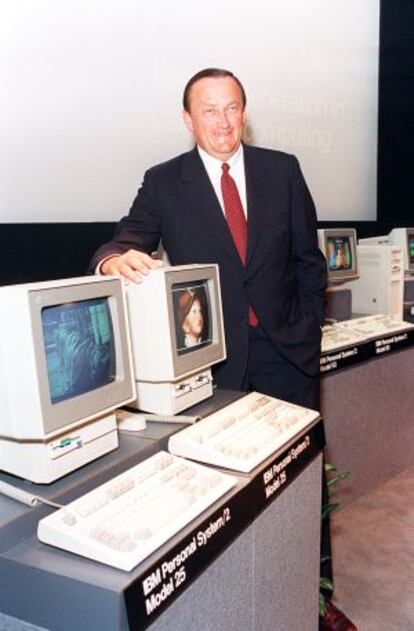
(339, 253)
(191, 303)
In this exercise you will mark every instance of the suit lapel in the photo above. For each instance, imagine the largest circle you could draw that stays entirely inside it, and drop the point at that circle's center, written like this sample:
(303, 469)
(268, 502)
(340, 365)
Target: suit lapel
(207, 206)
(256, 192)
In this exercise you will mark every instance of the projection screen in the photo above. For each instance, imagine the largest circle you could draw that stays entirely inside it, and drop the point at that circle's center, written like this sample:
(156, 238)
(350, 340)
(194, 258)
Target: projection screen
(92, 96)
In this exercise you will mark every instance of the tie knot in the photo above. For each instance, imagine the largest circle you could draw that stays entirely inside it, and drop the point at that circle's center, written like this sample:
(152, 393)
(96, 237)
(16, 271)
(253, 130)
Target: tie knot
(225, 168)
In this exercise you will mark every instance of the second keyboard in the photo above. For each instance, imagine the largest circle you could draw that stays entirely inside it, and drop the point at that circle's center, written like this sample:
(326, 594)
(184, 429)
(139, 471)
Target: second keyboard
(243, 434)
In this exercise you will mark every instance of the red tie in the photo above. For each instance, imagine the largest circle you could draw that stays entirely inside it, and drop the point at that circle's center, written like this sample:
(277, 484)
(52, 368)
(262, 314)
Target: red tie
(236, 220)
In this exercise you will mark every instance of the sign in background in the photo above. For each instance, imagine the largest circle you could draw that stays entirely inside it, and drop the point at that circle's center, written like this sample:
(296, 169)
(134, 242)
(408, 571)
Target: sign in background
(92, 96)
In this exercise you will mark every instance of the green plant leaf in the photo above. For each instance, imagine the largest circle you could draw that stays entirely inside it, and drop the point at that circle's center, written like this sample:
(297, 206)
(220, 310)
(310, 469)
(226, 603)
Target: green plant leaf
(328, 509)
(326, 583)
(322, 605)
(341, 476)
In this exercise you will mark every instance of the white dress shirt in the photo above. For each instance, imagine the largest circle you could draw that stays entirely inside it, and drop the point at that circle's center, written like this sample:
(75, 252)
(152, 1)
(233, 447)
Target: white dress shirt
(214, 171)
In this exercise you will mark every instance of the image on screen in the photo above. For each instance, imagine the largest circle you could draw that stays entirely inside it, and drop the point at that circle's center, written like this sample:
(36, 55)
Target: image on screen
(192, 316)
(79, 347)
(339, 254)
(411, 248)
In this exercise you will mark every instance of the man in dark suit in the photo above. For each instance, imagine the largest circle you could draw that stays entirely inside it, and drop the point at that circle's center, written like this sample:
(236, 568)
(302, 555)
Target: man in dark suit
(256, 219)
(283, 275)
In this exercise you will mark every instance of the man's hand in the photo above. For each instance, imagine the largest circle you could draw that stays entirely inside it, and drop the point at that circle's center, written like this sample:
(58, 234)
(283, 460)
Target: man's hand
(133, 265)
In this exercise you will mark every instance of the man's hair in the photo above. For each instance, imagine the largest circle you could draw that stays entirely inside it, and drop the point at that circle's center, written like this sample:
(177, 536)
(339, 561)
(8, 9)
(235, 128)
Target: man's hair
(210, 72)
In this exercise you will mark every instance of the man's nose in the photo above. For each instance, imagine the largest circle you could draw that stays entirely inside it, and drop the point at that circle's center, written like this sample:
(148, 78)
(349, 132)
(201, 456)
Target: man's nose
(223, 119)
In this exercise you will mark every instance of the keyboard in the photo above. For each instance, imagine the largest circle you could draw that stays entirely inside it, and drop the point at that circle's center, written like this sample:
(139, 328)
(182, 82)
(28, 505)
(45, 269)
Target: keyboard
(243, 434)
(125, 520)
(376, 325)
(334, 337)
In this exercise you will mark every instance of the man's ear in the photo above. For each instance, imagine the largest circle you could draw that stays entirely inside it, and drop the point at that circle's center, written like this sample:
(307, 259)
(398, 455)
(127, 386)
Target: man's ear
(188, 122)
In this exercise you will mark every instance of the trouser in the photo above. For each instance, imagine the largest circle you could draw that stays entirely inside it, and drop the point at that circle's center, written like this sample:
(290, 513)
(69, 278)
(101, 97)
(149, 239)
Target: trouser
(270, 373)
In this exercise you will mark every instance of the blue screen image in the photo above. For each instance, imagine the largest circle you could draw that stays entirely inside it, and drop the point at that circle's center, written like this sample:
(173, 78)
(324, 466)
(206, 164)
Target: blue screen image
(79, 347)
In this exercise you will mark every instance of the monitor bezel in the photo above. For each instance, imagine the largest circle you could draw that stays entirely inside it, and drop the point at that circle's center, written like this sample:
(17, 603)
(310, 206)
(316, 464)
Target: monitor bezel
(204, 356)
(340, 276)
(99, 401)
(410, 264)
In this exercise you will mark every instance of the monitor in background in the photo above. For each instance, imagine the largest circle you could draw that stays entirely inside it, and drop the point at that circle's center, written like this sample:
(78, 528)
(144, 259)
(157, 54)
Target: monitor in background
(177, 333)
(338, 245)
(404, 237)
(65, 365)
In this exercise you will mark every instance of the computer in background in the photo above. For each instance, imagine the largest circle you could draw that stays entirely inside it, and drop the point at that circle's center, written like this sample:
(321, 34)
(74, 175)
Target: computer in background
(380, 287)
(65, 366)
(403, 237)
(339, 246)
(177, 334)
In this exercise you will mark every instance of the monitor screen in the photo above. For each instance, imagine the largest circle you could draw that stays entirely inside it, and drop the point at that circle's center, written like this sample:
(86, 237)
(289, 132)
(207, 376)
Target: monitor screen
(79, 347)
(192, 316)
(410, 238)
(339, 253)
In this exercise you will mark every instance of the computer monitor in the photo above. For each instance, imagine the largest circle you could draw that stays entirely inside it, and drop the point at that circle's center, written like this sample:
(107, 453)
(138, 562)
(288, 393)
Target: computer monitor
(65, 365)
(404, 237)
(338, 245)
(177, 333)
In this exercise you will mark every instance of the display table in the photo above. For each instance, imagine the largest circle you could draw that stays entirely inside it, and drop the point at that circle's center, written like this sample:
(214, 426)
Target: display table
(367, 407)
(259, 569)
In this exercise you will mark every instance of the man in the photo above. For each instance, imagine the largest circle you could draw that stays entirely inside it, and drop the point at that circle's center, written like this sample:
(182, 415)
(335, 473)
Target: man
(256, 219)
(280, 284)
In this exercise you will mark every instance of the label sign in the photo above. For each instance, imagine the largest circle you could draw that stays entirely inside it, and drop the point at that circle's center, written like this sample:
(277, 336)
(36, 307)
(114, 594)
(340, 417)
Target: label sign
(344, 357)
(393, 342)
(335, 360)
(270, 482)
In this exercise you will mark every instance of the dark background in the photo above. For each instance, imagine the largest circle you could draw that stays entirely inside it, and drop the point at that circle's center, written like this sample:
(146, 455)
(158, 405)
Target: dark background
(41, 251)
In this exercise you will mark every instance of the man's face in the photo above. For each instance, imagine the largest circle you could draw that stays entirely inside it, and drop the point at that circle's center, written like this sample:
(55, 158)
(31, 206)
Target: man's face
(216, 116)
(193, 322)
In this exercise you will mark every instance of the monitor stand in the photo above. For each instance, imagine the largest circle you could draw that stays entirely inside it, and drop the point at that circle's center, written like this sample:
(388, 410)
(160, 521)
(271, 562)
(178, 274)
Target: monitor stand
(173, 397)
(46, 461)
(338, 303)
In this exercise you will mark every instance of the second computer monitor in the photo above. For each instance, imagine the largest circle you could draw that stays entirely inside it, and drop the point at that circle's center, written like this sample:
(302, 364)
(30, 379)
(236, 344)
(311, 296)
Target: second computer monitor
(177, 334)
(339, 248)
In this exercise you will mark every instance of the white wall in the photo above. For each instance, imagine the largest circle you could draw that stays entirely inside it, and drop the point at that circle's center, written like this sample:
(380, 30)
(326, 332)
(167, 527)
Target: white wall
(91, 96)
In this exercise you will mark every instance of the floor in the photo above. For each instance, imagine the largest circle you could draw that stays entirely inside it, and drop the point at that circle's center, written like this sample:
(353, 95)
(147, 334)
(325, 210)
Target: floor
(373, 554)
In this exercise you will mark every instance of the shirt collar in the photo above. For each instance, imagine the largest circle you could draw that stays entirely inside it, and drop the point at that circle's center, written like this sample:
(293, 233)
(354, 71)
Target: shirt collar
(213, 163)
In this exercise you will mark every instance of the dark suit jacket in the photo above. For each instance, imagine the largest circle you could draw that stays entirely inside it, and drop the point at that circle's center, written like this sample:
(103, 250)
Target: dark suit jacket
(285, 274)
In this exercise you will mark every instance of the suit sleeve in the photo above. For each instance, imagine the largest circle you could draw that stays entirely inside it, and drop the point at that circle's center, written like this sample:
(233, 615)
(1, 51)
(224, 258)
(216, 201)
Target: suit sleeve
(140, 229)
(309, 262)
